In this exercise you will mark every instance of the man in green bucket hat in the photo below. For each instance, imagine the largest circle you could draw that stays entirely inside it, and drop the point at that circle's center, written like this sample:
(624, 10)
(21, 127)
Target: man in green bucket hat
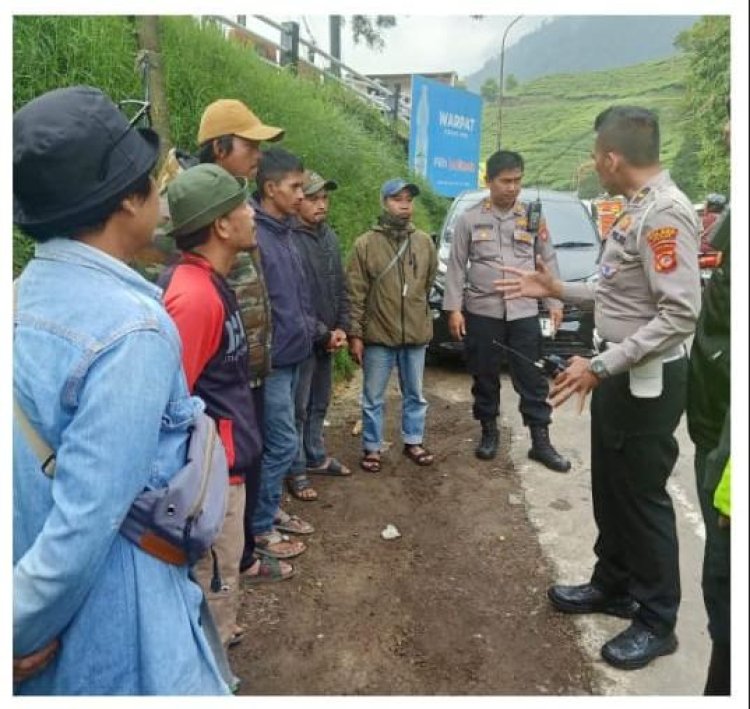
(212, 223)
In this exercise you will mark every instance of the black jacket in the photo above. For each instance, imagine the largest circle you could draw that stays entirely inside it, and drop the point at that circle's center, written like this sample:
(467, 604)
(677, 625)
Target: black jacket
(321, 258)
(708, 380)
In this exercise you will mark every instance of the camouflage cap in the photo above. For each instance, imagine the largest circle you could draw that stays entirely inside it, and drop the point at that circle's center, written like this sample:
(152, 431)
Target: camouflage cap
(313, 182)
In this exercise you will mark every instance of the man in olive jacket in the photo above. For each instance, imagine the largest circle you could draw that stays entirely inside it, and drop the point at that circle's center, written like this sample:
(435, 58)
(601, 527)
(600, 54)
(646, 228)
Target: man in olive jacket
(390, 271)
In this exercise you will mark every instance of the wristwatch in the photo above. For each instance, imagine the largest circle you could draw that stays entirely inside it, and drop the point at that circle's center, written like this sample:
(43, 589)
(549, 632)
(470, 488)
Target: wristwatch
(598, 368)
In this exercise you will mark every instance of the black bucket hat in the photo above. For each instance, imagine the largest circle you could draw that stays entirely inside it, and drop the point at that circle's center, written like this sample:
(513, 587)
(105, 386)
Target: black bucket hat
(74, 154)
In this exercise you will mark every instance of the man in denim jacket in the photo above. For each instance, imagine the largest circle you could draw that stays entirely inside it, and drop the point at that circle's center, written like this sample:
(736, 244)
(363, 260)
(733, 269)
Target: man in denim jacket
(97, 371)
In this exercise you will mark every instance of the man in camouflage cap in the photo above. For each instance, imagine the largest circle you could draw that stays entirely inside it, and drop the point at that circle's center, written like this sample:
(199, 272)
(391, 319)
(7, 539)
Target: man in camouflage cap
(318, 247)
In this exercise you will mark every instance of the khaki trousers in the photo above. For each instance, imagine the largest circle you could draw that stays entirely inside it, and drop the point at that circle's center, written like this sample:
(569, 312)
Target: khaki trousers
(224, 603)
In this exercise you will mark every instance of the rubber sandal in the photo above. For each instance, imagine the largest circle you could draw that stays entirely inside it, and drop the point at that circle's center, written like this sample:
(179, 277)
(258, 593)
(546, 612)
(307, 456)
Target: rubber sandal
(267, 545)
(298, 485)
(333, 468)
(238, 635)
(424, 457)
(292, 524)
(269, 571)
(371, 462)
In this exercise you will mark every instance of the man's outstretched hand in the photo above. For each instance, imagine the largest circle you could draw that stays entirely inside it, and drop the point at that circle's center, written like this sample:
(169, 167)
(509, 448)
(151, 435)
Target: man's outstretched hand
(529, 284)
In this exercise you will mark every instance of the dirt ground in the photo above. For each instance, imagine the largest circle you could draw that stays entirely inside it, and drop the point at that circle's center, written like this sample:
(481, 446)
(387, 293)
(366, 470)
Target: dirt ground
(456, 606)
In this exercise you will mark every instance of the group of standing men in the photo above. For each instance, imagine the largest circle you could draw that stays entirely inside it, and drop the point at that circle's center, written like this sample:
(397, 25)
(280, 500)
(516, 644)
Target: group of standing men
(251, 305)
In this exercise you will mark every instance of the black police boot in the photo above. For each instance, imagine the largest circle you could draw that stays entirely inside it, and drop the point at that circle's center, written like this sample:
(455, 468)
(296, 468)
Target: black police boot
(543, 451)
(587, 598)
(487, 448)
(636, 646)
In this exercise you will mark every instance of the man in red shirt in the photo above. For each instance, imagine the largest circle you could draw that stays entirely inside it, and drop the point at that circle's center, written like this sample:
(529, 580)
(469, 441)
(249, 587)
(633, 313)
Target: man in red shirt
(212, 223)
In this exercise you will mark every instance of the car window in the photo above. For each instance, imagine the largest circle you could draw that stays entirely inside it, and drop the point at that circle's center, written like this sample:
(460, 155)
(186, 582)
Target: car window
(569, 222)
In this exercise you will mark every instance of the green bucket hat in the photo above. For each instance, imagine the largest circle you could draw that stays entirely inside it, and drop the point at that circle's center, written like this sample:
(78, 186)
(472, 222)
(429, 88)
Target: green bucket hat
(201, 194)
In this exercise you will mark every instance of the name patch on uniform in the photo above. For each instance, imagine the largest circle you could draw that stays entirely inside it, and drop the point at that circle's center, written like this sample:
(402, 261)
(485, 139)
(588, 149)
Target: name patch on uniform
(619, 230)
(663, 242)
(523, 237)
(607, 270)
(482, 232)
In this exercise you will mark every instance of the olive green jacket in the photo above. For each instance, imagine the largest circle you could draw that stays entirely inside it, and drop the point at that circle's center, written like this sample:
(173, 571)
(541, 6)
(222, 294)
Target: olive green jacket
(389, 306)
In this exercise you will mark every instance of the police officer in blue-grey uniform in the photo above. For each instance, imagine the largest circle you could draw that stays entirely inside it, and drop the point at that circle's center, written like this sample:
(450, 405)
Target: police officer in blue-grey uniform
(646, 306)
(502, 229)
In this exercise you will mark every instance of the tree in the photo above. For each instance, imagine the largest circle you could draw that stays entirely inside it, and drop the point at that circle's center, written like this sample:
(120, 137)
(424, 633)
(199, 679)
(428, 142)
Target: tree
(511, 83)
(706, 45)
(490, 90)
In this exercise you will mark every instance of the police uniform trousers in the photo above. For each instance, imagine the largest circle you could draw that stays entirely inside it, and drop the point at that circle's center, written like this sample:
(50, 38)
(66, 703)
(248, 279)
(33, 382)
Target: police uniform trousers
(633, 452)
(484, 359)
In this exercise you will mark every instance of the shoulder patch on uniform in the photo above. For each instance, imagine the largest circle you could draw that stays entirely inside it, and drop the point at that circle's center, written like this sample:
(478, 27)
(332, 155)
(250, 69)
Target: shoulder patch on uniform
(543, 231)
(663, 242)
(640, 196)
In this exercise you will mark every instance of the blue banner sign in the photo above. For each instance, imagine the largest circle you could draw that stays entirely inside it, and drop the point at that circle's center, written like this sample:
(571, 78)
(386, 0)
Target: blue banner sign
(444, 136)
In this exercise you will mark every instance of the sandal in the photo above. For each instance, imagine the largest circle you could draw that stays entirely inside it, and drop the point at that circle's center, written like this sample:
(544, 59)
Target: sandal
(270, 569)
(418, 454)
(331, 467)
(237, 635)
(278, 545)
(300, 487)
(371, 462)
(293, 524)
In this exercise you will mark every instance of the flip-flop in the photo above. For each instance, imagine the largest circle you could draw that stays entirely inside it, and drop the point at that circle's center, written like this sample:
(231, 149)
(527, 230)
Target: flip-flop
(264, 542)
(268, 572)
(292, 524)
(333, 468)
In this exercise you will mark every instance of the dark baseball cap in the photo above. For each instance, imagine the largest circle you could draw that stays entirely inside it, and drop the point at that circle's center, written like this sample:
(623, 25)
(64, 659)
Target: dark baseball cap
(394, 186)
(74, 155)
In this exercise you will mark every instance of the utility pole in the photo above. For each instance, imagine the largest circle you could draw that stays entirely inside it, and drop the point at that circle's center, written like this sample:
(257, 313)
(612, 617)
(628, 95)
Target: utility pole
(500, 88)
(334, 25)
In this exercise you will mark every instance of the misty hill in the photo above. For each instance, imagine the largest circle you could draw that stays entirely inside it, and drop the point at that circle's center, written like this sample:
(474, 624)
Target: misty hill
(585, 43)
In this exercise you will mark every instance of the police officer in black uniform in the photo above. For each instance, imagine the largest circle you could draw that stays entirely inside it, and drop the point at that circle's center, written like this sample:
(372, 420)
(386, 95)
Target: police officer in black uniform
(502, 230)
(646, 305)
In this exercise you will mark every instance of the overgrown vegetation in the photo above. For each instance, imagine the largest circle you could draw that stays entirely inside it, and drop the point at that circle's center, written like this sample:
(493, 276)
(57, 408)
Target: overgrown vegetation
(707, 46)
(550, 120)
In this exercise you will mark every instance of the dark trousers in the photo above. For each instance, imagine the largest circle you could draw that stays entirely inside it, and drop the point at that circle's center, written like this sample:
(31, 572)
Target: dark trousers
(484, 359)
(633, 451)
(252, 485)
(716, 559)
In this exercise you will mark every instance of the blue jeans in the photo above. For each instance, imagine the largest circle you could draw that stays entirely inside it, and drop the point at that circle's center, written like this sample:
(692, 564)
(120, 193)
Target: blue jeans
(377, 365)
(313, 398)
(280, 443)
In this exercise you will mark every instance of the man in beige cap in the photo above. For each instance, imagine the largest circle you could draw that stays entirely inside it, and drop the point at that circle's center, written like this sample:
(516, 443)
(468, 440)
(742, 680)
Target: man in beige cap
(230, 135)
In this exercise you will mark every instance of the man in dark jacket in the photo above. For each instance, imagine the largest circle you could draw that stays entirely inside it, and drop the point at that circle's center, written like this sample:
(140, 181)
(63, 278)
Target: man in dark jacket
(708, 406)
(279, 180)
(318, 246)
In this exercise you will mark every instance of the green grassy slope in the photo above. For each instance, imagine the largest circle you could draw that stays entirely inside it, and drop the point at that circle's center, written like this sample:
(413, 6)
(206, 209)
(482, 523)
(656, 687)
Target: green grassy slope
(334, 133)
(549, 120)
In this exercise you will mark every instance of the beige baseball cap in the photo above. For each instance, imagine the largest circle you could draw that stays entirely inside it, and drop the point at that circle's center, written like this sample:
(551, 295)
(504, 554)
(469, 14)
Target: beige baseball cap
(227, 116)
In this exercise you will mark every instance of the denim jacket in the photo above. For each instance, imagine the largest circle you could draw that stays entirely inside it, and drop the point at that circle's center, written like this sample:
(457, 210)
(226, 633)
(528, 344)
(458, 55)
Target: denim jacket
(97, 370)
